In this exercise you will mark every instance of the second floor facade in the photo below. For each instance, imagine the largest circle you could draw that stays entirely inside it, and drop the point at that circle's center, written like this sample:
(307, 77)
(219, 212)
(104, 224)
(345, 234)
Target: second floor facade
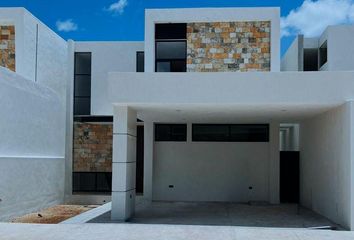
(192, 40)
(212, 40)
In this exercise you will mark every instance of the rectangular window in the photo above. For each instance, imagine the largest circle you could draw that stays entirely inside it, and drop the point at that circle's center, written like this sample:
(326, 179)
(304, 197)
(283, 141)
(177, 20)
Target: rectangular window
(171, 132)
(323, 54)
(170, 47)
(163, 66)
(82, 83)
(140, 62)
(97, 182)
(230, 132)
(171, 50)
(171, 31)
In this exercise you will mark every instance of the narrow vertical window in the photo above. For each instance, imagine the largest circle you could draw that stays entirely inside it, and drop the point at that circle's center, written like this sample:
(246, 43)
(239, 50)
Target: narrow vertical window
(82, 84)
(323, 54)
(140, 61)
(170, 47)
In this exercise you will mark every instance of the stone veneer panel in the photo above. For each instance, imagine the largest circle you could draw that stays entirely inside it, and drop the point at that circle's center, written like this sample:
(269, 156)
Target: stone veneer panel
(7, 47)
(228, 46)
(92, 147)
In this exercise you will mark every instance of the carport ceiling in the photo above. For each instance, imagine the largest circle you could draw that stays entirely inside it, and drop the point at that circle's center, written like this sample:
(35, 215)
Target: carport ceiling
(200, 113)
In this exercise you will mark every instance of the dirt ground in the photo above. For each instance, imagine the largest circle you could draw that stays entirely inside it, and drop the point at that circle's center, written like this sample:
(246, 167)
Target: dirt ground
(54, 214)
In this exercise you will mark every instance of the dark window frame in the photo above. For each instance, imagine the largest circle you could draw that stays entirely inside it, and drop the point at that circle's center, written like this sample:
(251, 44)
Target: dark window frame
(94, 188)
(167, 33)
(229, 137)
(102, 119)
(170, 60)
(74, 88)
(171, 137)
(137, 57)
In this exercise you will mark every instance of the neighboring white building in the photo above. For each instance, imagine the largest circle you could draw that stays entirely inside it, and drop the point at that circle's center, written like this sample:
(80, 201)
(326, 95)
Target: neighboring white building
(210, 128)
(332, 51)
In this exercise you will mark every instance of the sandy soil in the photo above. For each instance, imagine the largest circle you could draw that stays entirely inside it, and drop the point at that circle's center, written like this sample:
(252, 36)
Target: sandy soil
(54, 214)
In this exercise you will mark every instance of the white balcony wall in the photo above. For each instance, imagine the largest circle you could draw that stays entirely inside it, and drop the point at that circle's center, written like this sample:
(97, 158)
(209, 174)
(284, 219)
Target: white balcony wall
(307, 91)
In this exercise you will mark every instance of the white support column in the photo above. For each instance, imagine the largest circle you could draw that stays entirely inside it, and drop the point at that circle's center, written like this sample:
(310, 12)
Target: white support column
(148, 158)
(124, 163)
(274, 163)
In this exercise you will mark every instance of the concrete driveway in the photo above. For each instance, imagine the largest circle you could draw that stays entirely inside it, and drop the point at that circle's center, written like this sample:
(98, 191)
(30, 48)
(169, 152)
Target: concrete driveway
(10, 231)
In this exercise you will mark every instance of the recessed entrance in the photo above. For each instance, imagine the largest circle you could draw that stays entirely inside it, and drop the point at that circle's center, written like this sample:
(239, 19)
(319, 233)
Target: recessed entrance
(289, 177)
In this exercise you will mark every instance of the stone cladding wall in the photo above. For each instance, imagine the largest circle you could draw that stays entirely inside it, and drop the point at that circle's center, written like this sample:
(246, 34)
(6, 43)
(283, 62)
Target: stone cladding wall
(7, 47)
(228, 46)
(92, 147)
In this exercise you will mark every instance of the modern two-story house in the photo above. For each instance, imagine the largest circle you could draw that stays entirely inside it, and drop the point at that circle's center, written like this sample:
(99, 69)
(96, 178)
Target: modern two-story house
(199, 111)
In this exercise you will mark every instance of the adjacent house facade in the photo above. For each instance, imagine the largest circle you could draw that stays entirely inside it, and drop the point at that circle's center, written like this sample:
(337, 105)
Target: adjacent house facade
(203, 110)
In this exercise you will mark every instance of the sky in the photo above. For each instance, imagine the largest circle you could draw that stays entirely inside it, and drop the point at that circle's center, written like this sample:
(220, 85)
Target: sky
(114, 20)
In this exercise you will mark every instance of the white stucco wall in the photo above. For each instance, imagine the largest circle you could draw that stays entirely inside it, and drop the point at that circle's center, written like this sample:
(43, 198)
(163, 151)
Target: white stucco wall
(189, 15)
(14, 16)
(326, 164)
(211, 171)
(293, 58)
(340, 47)
(43, 61)
(107, 57)
(32, 146)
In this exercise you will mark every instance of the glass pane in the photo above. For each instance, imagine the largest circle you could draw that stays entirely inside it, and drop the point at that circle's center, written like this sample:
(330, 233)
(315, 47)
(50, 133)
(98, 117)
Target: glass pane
(178, 66)
(82, 86)
(323, 54)
(163, 67)
(178, 132)
(210, 133)
(171, 31)
(84, 182)
(249, 133)
(104, 182)
(82, 63)
(170, 50)
(170, 132)
(140, 62)
(162, 132)
(82, 106)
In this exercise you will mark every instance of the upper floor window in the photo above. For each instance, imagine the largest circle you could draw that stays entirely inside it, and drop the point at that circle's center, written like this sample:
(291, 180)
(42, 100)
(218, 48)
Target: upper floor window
(82, 83)
(323, 54)
(170, 47)
(140, 61)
